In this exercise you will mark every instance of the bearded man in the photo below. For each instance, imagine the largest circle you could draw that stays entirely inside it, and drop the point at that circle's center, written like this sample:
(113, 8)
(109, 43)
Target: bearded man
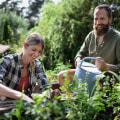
(103, 42)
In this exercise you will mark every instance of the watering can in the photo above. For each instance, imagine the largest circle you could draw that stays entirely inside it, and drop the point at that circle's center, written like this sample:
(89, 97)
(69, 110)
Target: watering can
(88, 72)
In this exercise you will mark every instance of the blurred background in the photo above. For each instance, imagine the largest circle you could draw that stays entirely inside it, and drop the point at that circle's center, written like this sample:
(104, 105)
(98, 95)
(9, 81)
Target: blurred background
(62, 23)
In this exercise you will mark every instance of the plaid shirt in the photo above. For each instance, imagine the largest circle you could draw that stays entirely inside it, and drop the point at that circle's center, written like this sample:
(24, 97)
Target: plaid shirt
(10, 72)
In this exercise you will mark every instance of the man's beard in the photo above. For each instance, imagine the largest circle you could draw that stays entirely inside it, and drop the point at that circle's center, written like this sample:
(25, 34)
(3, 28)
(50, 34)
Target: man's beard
(104, 29)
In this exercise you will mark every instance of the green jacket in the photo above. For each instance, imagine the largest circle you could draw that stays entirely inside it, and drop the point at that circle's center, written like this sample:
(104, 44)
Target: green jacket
(109, 49)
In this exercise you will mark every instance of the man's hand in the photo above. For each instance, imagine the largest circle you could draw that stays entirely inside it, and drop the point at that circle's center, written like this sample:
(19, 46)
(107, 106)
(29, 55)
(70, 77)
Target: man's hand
(101, 64)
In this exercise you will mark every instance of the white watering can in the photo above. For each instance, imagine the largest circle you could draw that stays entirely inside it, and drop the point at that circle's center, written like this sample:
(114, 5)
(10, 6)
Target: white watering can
(88, 72)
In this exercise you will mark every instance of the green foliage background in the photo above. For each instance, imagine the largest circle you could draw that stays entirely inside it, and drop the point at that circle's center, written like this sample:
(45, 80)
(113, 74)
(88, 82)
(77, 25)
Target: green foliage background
(13, 28)
(65, 25)
(7, 32)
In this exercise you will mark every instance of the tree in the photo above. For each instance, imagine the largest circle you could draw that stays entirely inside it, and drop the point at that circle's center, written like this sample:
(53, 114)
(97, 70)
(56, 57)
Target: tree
(7, 33)
(17, 23)
(34, 8)
(12, 5)
(65, 25)
(33, 12)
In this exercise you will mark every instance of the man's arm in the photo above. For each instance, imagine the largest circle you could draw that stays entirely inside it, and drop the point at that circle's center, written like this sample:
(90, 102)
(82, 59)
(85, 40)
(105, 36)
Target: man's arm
(102, 65)
(113, 67)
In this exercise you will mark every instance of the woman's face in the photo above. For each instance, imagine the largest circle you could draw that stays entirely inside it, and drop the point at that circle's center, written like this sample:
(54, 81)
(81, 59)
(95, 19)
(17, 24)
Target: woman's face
(32, 52)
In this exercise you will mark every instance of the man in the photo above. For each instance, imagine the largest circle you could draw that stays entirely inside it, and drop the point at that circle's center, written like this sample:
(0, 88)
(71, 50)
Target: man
(103, 42)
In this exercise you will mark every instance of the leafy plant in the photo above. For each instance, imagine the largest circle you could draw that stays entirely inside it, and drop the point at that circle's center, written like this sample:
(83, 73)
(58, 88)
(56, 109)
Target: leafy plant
(52, 75)
(74, 104)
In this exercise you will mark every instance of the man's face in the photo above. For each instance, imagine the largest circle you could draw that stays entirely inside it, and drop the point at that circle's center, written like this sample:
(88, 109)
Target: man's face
(101, 22)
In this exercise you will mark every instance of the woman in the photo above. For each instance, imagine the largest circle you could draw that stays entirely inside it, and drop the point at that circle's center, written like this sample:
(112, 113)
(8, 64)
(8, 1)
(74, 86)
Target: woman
(23, 71)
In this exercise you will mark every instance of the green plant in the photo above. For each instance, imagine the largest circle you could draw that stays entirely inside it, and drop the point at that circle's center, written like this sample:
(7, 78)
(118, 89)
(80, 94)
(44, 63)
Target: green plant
(43, 109)
(104, 105)
(52, 74)
(7, 33)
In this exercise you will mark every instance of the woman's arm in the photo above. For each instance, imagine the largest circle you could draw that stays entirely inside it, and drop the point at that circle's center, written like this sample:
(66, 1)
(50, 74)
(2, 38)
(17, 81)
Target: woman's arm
(8, 92)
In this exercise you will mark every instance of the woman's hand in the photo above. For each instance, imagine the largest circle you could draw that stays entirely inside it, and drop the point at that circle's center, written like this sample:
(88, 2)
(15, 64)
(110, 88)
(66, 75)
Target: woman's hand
(56, 92)
(8, 92)
(28, 99)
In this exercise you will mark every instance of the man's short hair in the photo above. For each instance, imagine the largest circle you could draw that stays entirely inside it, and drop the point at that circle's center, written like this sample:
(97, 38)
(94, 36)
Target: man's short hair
(107, 8)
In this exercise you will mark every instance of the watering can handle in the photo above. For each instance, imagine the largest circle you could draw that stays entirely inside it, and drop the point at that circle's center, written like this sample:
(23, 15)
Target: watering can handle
(88, 58)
